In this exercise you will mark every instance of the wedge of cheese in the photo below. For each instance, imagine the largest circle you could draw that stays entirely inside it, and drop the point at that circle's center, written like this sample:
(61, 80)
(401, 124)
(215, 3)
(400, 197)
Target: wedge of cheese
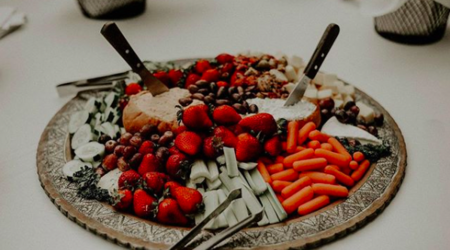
(334, 128)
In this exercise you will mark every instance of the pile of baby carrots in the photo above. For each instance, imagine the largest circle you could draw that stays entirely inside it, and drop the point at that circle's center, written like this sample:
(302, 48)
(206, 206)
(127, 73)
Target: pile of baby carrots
(314, 169)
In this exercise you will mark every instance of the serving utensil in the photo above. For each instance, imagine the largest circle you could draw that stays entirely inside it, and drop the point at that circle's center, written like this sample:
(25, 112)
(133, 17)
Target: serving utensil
(115, 37)
(322, 49)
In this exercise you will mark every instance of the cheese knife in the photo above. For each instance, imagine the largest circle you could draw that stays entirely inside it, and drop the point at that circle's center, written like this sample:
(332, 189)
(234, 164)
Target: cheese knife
(313, 66)
(115, 37)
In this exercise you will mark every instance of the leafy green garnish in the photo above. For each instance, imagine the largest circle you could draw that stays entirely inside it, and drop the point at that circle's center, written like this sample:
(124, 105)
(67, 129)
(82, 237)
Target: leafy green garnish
(371, 152)
(86, 180)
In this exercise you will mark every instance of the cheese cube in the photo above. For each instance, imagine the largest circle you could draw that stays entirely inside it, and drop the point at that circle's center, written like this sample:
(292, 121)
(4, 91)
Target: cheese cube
(329, 79)
(338, 103)
(366, 113)
(321, 94)
(278, 75)
(311, 93)
(349, 90)
(338, 97)
(333, 88)
(290, 73)
(339, 84)
(289, 87)
(318, 79)
(348, 98)
(295, 61)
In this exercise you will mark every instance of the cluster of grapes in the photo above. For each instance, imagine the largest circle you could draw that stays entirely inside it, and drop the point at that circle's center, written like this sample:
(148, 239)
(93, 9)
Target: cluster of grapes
(127, 151)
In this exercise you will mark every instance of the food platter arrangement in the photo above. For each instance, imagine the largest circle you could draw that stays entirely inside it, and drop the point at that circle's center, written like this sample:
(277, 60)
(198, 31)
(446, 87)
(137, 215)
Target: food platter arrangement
(142, 169)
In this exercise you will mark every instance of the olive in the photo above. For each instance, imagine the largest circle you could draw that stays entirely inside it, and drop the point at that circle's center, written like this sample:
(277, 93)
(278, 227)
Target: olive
(341, 116)
(136, 141)
(110, 146)
(202, 84)
(253, 108)
(326, 103)
(231, 90)
(204, 91)
(125, 139)
(213, 87)
(208, 99)
(128, 152)
(185, 101)
(349, 104)
(212, 95)
(373, 130)
(118, 150)
(104, 138)
(236, 97)
(193, 88)
(250, 88)
(147, 130)
(162, 153)
(239, 108)
(245, 104)
(222, 92)
(122, 164)
(240, 90)
(220, 102)
(135, 161)
(198, 96)
(154, 138)
(166, 138)
(379, 119)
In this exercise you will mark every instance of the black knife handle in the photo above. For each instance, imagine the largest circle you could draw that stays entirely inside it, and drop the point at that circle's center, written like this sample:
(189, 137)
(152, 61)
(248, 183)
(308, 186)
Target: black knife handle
(115, 37)
(322, 49)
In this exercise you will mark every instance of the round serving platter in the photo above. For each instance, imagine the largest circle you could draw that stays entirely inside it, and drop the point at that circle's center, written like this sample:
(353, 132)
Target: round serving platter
(366, 200)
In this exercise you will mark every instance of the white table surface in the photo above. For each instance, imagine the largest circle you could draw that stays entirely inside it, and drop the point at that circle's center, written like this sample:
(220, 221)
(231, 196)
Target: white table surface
(58, 44)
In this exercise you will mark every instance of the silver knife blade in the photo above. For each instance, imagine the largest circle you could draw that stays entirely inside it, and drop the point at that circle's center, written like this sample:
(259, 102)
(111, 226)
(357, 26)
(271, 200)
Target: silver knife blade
(296, 94)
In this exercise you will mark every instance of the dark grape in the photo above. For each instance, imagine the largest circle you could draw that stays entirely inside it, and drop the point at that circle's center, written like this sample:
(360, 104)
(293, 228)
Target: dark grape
(166, 138)
(348, 105)
(147, 130)
(326, 103)
(325, 114)
(129, 151)
(122, 164)
(162, 153)
(373, 130)
(125, 139)
(136, 141)
(154, 138)
(135, 160)
(118, 150)
(354, 110)
(104, 138)
(379, 119)
(110, 146)
(341, 115)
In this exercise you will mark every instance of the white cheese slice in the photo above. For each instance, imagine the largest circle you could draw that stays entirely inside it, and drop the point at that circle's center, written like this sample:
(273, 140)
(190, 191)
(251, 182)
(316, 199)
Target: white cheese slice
(268, 209)
(211, 201)
(321, 94)
(349, 90)
(319, 78)
(278, 75)
(247, 165)
(230, 160)
(212, 185)
(334, 128)
(213, 170)
(290, 73)
(311, 93)
(296, 62)
(110, 181)
(365, 112)
(220, 221)
(199, 170)
(333, 88)
(339, 84)
(329, 79)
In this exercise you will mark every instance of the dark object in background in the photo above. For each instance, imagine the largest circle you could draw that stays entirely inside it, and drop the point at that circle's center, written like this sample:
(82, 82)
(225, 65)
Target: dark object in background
(416, 22)
(112, 9)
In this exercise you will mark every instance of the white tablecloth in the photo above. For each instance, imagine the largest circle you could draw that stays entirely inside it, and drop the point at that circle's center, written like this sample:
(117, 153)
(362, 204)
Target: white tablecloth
(58, 44)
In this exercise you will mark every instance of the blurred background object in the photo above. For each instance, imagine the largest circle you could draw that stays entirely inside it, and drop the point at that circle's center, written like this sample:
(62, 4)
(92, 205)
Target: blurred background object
(112, 9)
(10, 20)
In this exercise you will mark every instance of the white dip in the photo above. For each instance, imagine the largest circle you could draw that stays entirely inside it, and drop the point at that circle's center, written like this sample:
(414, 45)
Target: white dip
(276, 108)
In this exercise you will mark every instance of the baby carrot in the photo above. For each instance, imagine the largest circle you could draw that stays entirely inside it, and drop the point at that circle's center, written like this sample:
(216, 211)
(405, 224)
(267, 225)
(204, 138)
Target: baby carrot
(358, 156)
(292, 203)
(286, 175)
(275, 168)
(346, 171)
(304, 132)
(310, 164)
(333, 158)
(295, 187)
(359, 173)
(338, 147)
(313, 205)
(278, 186)
(280, 199)
(319, 177)
(265, 160)
(326, 146)
(304, 154)
(328, 189)
(353, 165)
(319, 136)
(341, 177)
(335, 167)
(314, 144)
(279, 159)
(299, 148)
(263, 171)
(292, 133)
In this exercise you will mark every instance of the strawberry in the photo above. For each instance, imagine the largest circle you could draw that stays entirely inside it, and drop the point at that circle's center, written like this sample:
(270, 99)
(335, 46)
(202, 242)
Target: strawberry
(226, 115)
(273, 146)
(222, 84)
(224, 58)
(188, 142)
(147, 147)
(128, 179)
(171, 185)
(143, 203)
(212, 147)
(150, 163)
(154, 182)
(190, 200)
(174, 150)
(180, 129)
(248, 148)
(169, 213)
(195, 117)
(262, 122)
(132, 89)
(177, 166)
(226, 136)
(122, 199)
(211, 75)
(201, 66)
(237, 79)
(163, 77)
(236, 129)
(191, 79)
(175, 75)
(226, 70)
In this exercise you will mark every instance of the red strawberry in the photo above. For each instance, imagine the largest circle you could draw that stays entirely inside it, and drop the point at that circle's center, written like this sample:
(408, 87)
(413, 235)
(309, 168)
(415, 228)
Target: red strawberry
(174, 150)
(143, 203)
(202, 66)
(237, 79)
(180, 129)
(122, 199)
(226, 115)
(236, 129)
(177, 166)
(147, 147)
(191, 79)
(188, 142)
(132, 89)
(273, 146)
(211, 147)
(155, 181)
(169, 213)
(171, 185)
(222, 84)
(150, 163)
(128, 179)
(211, 75)
(189, 199)
(224, 58)
(163, 77)
(262, 122)
(195, 117)
(226, 136)
(248, 148)
(175, 76)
